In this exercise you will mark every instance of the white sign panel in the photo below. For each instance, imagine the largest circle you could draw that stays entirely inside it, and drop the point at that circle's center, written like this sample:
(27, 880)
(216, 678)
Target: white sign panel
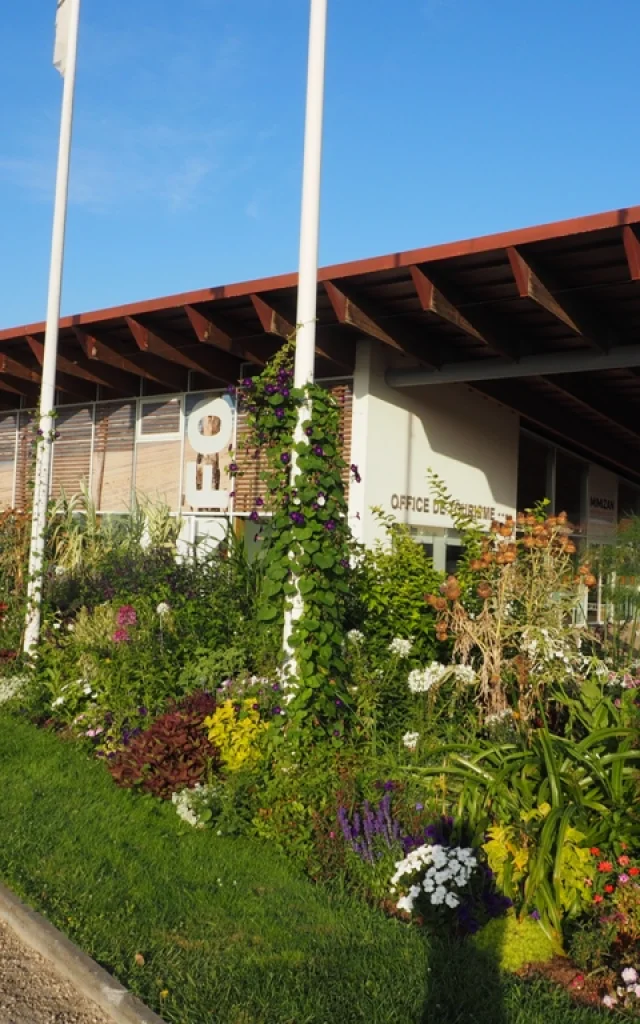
(207, 495)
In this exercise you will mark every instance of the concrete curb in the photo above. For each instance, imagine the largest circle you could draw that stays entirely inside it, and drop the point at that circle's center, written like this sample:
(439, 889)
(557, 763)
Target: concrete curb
(71, 963)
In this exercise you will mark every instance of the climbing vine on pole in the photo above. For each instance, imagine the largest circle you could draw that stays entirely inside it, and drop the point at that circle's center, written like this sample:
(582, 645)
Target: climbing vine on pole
(308, 535)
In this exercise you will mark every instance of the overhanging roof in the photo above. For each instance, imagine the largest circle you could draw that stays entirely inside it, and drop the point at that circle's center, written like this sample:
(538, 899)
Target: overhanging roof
(566, 291)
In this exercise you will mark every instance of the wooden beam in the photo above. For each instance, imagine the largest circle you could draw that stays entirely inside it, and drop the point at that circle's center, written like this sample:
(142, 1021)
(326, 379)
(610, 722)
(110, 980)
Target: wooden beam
(433, 301)
(531, 287)
(612, 409)
(83, 368)
(219, 366)
(632, 251)
(17, 369)
(155, 370)
(538, 285)
(352, 313)
(567, 427)
(220, 336)
(272, 322)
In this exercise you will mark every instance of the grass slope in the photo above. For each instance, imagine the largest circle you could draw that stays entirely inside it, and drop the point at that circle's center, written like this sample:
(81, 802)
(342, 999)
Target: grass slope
(226, 927)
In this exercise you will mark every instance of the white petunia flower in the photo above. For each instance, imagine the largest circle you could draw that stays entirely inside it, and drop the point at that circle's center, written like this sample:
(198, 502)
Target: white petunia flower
(451, 900)
(163, 609)
(629, 975)
(354, 636)
(405, 903)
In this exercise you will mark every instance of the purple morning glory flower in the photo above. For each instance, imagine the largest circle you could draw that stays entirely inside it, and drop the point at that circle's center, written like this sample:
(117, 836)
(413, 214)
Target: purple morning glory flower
(309, 431)
(344, 562)
(143, 711)
(247, 382)
(277, 710)
(276, 687)
(259, 502)
(330, 525)
(336, 732)
(231, 390)
(285, 458)
(318, 450)
(535, 914)
(280, 413)
(253, 516)
(233, 467)
(270, 389)
(338, 702)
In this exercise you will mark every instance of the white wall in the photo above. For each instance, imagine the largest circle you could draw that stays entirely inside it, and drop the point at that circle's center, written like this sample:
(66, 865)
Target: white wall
(398, 434)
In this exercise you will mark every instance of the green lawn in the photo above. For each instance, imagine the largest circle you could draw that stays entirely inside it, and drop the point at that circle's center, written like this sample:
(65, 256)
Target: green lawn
(226, 927)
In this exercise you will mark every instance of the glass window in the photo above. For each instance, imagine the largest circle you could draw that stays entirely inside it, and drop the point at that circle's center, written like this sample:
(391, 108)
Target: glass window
(570, 487)
(628, 500)
(533, 471)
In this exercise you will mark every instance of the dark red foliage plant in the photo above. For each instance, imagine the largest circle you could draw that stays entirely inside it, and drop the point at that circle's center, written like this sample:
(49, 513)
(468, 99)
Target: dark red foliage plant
(173, 753)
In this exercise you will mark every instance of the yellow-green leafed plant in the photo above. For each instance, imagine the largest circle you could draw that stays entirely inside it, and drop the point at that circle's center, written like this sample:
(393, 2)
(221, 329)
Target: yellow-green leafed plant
(236, 734)
(512, 854)
(513, 943)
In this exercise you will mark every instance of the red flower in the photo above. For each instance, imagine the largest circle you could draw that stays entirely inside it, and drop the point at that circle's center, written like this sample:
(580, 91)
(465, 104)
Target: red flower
(598, 898)
(604, 866)
(634, 871)
(594, 851)
(608, 888)
(623, 860)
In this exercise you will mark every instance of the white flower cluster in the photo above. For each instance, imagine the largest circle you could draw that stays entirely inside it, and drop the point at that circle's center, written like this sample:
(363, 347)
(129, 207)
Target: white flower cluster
(163, 609)
(543, 646)
(422, 679)
(79, 684)
(442, 873)
(465, 674)
(354, 636)
(626, 994)
(190, 803)
(410, 740)
(504, 717)
(401, 647)
(11, 687)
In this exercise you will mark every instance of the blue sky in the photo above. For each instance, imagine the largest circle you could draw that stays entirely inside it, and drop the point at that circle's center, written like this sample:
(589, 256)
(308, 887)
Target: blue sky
(444, 119)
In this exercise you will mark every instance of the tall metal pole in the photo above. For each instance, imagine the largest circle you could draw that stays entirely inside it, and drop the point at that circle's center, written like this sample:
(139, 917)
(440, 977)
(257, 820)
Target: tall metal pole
(308, 261)
(47, 390)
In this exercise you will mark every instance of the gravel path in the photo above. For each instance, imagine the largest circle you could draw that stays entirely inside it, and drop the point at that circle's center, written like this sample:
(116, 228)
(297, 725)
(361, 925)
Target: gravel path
(32, 993)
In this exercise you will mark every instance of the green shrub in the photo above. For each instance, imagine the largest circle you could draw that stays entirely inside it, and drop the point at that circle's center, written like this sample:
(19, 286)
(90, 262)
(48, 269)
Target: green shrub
(513, 943)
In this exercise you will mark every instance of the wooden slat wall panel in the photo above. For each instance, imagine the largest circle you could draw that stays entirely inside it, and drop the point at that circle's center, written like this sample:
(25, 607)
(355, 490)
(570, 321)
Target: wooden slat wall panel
(113, 448)
(8, 429)
(249, 486)
(72, 451)
(158, 472)
(25, 461)
(161, 417)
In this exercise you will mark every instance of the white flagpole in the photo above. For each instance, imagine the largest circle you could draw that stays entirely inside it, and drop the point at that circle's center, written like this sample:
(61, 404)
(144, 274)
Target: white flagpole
(308, 262)
(47, 390)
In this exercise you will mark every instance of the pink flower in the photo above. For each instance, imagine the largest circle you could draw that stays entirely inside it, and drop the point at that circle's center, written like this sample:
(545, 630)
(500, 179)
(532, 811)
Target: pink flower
(623, 879)
(120, 636)
(609, 1001)
(126, 616)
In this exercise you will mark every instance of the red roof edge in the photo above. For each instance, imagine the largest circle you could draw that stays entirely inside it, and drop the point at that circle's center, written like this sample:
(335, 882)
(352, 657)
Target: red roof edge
(448, 250)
